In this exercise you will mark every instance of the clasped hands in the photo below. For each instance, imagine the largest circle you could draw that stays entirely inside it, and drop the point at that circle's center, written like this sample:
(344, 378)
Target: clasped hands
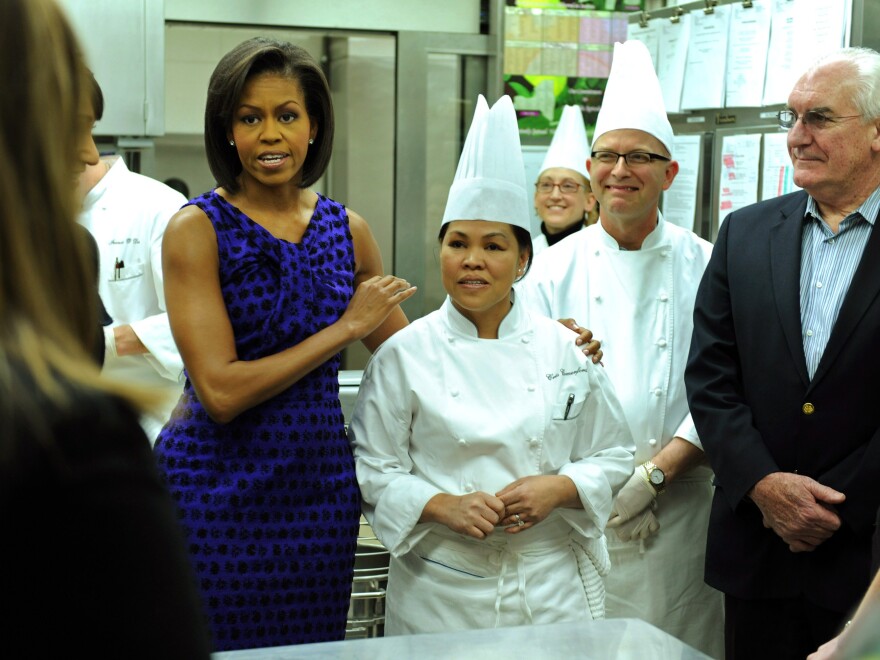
(800, 510)
(517, 507)
(632, 515)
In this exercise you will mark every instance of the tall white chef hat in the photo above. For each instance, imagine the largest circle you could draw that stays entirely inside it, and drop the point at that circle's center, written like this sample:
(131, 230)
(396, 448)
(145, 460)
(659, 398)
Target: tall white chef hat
(633, 98)
(569, 147)
(490, 182)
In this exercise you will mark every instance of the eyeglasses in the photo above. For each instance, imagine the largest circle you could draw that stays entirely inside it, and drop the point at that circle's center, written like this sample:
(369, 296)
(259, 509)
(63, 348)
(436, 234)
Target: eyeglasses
(566, 187)
(633, 158)
(811, 118)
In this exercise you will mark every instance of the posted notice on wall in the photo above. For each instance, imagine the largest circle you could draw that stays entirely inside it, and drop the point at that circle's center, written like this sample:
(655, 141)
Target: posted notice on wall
(671, 58)
(706, 60)
(777, 172)
(680, 201)
(800, 32)
(738, 180)
(747, 54)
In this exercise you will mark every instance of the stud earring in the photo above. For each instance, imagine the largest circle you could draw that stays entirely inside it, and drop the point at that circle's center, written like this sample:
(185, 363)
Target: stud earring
(311, 140)
(232, 143)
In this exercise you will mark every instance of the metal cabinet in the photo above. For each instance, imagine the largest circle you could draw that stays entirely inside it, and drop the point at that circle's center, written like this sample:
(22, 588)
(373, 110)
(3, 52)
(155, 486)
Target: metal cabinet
(124, 43)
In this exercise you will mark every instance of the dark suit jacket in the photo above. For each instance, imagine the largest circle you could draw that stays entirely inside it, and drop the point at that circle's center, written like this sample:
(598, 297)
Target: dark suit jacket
(757, 412)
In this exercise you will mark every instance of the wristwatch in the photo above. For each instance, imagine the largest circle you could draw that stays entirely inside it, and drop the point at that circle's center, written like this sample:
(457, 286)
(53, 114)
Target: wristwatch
(656, 476)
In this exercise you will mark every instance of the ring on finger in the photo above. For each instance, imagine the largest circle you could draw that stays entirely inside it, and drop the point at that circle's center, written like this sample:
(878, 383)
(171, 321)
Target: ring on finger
(516, 517)
(520, 522)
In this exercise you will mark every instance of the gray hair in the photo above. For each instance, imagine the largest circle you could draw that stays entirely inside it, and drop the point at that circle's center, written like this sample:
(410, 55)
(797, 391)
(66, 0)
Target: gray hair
(866, 82)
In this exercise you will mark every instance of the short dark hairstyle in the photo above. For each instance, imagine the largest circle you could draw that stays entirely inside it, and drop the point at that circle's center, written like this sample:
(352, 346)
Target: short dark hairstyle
(250, 58)
(97, 96)
(523, 242)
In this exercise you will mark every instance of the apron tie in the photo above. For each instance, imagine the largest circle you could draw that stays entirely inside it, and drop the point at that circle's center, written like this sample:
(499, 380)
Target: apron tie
(520, 585)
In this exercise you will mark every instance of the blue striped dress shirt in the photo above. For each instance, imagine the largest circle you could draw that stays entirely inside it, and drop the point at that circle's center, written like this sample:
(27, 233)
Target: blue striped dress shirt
(828, 263)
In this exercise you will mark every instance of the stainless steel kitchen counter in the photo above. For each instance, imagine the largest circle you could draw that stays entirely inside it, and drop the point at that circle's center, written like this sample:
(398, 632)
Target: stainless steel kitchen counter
(613, 639)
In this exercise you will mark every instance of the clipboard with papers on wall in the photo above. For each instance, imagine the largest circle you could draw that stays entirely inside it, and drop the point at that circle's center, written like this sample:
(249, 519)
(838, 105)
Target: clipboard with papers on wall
(726, 99)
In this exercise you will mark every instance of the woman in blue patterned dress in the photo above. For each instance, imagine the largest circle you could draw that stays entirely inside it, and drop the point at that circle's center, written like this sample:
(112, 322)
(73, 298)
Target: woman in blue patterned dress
(266, 282)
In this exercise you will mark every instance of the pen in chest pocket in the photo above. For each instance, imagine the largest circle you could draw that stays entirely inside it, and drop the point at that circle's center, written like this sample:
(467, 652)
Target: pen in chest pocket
(568, 406)
(118, 265)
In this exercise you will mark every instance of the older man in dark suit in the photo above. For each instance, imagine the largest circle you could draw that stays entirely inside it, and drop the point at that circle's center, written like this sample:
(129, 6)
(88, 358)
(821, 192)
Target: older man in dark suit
(783, 376)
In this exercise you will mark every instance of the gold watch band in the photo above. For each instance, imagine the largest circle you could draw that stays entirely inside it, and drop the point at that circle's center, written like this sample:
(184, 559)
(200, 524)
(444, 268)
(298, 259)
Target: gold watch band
(645, 473)
(649, 467)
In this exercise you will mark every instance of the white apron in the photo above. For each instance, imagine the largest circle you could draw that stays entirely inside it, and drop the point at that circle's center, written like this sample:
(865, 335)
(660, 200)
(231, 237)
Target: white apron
(449, 582)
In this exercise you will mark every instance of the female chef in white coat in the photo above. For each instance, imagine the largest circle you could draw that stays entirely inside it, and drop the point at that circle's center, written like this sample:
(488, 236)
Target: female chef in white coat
(564, 200)
(488, 447)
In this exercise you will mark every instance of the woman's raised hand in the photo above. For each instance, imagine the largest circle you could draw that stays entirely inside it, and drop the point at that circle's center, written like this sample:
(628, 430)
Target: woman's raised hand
(373, 301)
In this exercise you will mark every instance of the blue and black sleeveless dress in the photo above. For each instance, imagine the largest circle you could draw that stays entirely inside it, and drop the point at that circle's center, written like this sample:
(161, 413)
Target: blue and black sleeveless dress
(269, 501)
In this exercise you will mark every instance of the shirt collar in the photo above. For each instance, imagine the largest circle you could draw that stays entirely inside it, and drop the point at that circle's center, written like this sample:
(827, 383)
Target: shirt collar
(652, 240)
(553, 239)
(511, 325)
(115, 168)
(868, 209)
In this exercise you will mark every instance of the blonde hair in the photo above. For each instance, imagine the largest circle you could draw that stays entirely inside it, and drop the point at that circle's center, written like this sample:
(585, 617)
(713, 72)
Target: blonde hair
(591, 217)
(48, 298)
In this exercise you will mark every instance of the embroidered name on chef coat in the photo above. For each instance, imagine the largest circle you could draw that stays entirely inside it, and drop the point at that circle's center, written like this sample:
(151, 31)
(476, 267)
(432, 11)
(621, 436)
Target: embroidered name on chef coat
(563, 372)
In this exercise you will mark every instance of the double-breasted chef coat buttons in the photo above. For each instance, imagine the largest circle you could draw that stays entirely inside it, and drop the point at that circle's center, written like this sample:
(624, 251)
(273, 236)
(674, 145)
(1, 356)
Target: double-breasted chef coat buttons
(652, 442)
(661, 342)
(664, 297)
(534, 442)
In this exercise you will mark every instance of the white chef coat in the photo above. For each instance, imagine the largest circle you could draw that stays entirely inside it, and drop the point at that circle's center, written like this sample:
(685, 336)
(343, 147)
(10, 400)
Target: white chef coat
(539, 242)
(639, 304)
(441, 411)
(127, 214)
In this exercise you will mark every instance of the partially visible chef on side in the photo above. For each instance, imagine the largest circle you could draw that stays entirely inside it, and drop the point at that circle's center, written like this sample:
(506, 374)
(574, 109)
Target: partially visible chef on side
(127, 214)
(488, 446)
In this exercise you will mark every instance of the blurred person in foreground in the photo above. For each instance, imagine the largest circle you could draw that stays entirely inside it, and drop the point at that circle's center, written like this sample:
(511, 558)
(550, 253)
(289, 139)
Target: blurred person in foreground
(860, 636)
(782, 375)
(93, 563)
